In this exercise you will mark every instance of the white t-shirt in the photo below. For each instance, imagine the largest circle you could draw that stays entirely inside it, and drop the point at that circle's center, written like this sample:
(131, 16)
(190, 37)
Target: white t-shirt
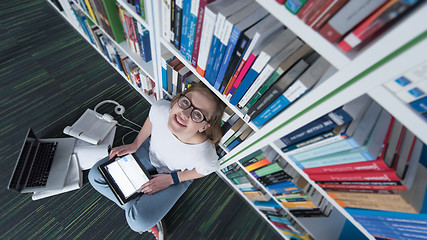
(168, 154)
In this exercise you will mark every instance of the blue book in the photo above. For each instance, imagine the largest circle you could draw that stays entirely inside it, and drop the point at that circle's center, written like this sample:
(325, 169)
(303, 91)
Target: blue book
(304, 83)
(388, 216)
(244, 86)
(253, 17)
(117, 58)
(320, 125)
(211, 59)
(185, 25)
(234, 143)
(145, 46)
(270, 203)
(192, 30)
(420, 105)
(235, 34)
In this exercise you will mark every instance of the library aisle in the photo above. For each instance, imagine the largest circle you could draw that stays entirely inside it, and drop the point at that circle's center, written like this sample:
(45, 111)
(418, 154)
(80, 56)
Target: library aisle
(49, 75)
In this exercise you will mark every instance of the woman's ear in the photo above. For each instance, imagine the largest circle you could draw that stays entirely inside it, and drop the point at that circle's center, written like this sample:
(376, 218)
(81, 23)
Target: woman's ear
(204, 128)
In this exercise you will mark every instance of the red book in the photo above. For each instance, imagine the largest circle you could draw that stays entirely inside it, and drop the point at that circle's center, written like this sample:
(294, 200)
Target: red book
(382, 16)
(328, 13)
(242, 73)
(364, 187)
(307, 9)
(347, 18)
(375, 176)
(198, 34)
(233, 79)
(281, 225)
(318, 11)
(377, 165)
(281, 1)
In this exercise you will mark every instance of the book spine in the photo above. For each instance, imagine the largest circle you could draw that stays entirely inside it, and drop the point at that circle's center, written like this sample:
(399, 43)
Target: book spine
(198, 33)
(335, 159)
(234, 37)
(294, 6)
(192, 29)
(172, 24)
(322, 124)
(367, 187)
(263, 76)
(185, 25)
(272, 79)
(359, 176)
(241, 47)
(419, 105)
(214, 48)
(307, 9)
(114, 20)
(342, 145)
(376, 165)
(228, 27)
(313, 142)
(327, 14)
(247, 66)
(205, 41)
(267, 170)
(178, 24)
(250, 77)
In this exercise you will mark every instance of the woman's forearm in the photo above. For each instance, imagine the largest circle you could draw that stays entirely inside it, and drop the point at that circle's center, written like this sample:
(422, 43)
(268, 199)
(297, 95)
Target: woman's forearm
(144, 133)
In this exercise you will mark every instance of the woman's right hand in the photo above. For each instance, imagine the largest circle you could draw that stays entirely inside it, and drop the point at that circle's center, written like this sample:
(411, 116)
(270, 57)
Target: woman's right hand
(123, 150)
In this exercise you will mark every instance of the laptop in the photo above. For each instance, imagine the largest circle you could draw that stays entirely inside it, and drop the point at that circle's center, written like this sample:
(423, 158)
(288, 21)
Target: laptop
(125, 175)
(42, 164)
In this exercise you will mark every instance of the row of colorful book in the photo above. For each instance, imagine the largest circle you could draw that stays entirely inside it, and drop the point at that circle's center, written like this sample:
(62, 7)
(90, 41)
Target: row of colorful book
(139, 6)
(176, 77)
(363, 158)
(411, 88)
(285, 184)
(119, 25)
(123, 63)
(234, 130)
(351, 23)
(266, 205)
(246, 54)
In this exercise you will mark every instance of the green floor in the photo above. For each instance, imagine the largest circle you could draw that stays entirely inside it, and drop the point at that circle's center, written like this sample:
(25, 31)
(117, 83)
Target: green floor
(49, 76)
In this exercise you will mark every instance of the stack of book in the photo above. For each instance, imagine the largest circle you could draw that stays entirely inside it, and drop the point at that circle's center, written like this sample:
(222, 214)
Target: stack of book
(234, 130)
(411, 88)
(137, 36)
(102, 41)
(176, 77)
(280, 219)
(244, 53)
(389, 225)
(349, 22)
(285, 184)
(105, 14)
(361, 155)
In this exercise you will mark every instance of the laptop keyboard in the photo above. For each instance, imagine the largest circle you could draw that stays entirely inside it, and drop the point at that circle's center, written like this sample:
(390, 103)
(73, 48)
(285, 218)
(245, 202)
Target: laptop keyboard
(42, 164)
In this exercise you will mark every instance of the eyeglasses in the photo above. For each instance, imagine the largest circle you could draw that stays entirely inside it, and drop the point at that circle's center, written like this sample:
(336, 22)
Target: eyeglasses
(196, 115)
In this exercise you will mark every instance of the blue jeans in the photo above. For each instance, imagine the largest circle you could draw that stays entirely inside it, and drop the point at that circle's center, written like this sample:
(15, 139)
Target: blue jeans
(144, 211)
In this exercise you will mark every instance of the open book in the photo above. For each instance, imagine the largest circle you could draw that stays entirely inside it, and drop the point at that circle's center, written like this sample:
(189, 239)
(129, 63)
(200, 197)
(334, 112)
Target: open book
(90, 127)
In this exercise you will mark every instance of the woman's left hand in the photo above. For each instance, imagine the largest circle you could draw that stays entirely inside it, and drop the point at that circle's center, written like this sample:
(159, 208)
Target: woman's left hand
(157, 183)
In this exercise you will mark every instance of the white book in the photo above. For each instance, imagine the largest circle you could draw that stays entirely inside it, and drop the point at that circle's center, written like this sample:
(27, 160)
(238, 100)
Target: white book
(166, 19)
(269, 70)
(413, 91)
(90, 127)
(209, 20)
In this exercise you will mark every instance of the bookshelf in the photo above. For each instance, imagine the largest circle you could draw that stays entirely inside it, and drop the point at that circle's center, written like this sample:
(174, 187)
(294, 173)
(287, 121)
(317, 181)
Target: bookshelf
(355, 73)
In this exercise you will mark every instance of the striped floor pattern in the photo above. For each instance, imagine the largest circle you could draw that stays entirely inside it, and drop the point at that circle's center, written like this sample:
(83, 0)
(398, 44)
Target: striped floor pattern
(49, 75)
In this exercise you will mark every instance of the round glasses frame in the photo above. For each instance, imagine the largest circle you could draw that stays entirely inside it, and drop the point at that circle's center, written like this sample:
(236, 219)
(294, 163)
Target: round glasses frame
(196, 115)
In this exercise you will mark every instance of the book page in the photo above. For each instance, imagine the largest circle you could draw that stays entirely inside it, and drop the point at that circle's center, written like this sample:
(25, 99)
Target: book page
(90, 127)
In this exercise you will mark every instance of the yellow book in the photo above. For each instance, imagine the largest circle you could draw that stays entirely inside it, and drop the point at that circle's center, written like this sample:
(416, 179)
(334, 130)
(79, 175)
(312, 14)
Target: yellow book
(89, 8)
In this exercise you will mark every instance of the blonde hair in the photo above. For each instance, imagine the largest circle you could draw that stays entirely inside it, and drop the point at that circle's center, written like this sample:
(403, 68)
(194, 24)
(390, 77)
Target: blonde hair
(213, 133)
